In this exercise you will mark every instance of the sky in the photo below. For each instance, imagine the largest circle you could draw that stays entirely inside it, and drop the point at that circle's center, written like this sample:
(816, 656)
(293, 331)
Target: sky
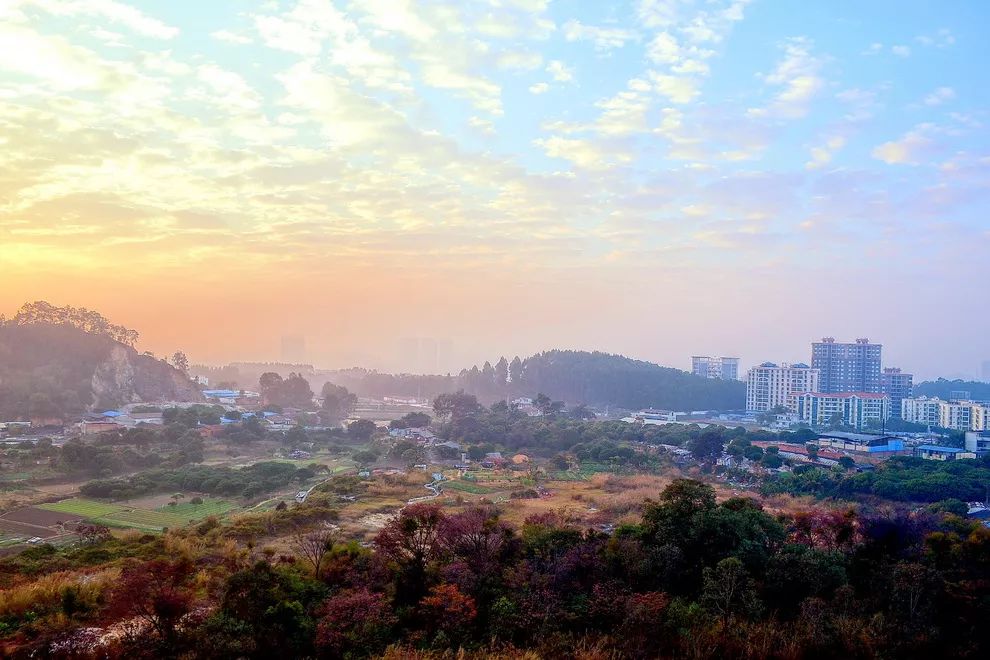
(658, 178)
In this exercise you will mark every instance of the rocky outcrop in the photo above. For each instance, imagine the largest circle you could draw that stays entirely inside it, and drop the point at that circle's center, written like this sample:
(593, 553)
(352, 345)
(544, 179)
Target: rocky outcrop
(126, 376)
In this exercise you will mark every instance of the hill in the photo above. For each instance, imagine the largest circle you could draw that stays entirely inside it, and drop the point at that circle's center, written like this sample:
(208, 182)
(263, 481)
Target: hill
(943, 388)
(57, 362)
(593, 378)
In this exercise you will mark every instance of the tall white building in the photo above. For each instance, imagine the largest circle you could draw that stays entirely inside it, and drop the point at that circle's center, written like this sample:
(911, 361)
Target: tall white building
(955, 415)
(706, 366)
(770, 385)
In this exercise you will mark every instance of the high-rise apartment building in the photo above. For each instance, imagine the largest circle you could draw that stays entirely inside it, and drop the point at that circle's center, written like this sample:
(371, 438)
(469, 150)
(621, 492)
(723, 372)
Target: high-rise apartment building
(898, 386)
(770, 385)
(847, 367)
(726, 368)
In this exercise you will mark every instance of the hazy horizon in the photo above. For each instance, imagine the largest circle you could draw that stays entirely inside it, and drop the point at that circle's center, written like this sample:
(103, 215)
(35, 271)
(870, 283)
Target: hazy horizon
(657, 178)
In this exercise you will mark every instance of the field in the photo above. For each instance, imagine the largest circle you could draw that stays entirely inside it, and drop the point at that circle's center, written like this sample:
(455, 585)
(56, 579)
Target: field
(142, 519)
(468, 487)
(190, 511)
(82, 507)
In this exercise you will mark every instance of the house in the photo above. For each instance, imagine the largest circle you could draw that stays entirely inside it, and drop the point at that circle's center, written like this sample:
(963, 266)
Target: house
(299, 454)
(211, 430)
(301, 496)
(869, 443)
(940, 453)
(88, 427)
(154, 418)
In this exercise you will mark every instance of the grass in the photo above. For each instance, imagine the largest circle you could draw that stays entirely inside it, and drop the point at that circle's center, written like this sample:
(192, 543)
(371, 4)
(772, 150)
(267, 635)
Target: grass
(468, 487)
(82, 507)
(142, 519)
(190, 511)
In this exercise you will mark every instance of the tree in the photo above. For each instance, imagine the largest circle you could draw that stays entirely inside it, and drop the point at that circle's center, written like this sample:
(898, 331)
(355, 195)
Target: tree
(411, 540)
(361, 430)
(355, 621)
(313, 546)
(180, 362)
(456, 406)
(707, 446)
(546, 406)
(847, 462)
(338, 402)
(728, 589)
(157, 593)
(516, 372)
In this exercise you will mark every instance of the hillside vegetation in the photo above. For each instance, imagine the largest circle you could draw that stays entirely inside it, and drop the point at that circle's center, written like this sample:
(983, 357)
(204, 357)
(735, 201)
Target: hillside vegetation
(593, 378)
(60, 361)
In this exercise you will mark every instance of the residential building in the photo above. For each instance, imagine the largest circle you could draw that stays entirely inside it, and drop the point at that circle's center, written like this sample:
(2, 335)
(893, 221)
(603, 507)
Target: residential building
(769, 385)
(978, 441)
(921, 410)
(959, 395)
(853, 409)
(724, 368)
(898, 386)
(940, 453)
(847, 367)
(955, 415)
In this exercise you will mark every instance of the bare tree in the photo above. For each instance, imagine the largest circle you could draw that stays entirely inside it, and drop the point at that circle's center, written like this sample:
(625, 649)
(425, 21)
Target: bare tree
(313, 546)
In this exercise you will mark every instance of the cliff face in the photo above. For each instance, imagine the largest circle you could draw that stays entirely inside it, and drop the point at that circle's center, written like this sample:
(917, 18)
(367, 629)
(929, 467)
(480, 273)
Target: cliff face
(58, 371)
(125, 376)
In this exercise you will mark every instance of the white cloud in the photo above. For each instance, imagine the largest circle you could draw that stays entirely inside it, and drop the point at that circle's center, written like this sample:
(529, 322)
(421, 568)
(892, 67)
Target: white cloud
(519, 61)
(940, 96)
(822, 155)
(583, 153)
(115, 12)
(486, 126)
(910, 149)
(560, 71)
(678, 89)
(901, 51)
(230, 37)
(604, 38)
(539, 88)
(943, 38)
(874, 49)
(798, 74)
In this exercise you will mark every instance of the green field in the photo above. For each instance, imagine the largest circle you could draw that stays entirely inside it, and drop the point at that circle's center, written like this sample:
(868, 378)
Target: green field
(82, 507)
(142, 519)
(189, 511)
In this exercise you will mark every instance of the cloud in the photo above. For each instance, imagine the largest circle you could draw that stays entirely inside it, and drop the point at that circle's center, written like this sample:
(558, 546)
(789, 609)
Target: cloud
(604, 38)
(798, 74)
(943, 38)
(230, 37)
(914, 146)
(519, 61)
(539, 88)
(940, 96)
(486, 126)
(901, 51)
(560, 71)
(822, 155)
(114, 12)
(585, 154)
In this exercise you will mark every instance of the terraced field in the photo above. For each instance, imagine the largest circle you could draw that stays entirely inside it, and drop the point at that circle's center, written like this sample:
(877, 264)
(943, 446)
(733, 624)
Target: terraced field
(468, 487)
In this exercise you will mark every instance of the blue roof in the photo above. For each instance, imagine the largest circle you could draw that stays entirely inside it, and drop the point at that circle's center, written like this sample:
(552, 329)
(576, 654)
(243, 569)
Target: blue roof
(112, 413)
(948, 450)
(221, 394)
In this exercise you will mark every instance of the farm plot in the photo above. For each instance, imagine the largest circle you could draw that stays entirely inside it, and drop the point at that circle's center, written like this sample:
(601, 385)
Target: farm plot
(82, 507)
(142, 519)
(189, 511)
(468, 487)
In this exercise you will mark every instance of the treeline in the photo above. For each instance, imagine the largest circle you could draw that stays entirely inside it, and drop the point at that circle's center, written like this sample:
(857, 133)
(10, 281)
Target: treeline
(943, 388)
(461, 418)
(598, 379)
(249, 481)
(692, 578)
(903, 478)
(87, 320)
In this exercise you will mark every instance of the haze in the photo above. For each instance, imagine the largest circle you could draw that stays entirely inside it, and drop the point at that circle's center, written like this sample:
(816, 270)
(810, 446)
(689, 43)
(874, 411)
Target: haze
(658, 179)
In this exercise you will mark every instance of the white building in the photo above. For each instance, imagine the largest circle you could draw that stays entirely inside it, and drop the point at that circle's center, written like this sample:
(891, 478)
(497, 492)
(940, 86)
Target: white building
(955, 415)
(725, 368)
(770, 385)
(854, 409)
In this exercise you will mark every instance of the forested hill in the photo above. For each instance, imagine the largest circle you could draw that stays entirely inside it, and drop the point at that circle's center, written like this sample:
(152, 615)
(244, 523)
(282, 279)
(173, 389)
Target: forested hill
(943, 389)
(572, 376)
(56, 362)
